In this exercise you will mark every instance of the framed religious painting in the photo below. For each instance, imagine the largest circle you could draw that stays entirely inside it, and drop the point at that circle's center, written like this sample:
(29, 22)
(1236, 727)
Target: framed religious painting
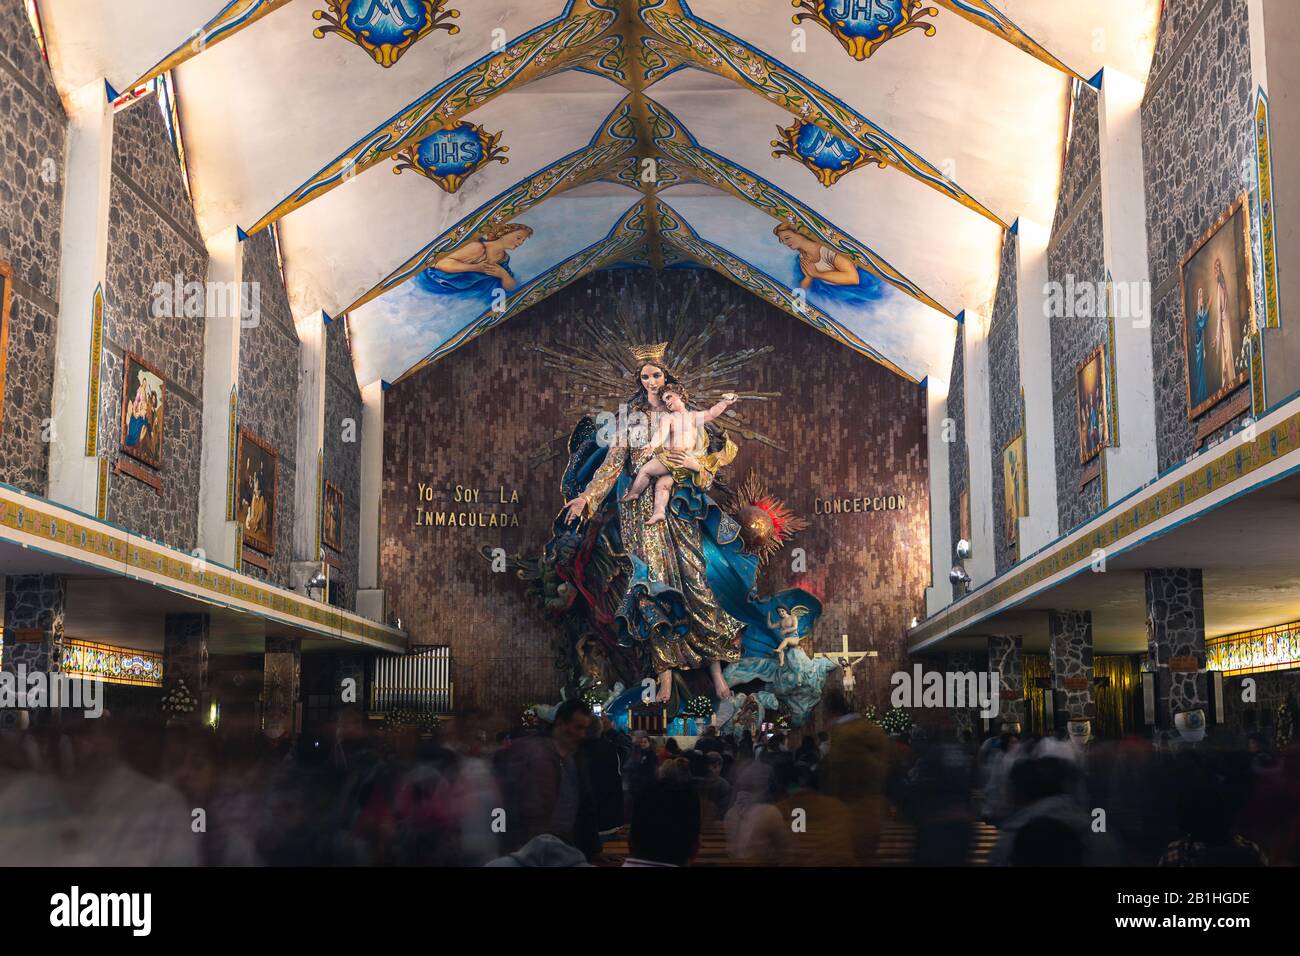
(256, 478)
(6, 295)
(1015, 490)
(1091, 405)
(332, 517)
(144, 409)
(1218, 292)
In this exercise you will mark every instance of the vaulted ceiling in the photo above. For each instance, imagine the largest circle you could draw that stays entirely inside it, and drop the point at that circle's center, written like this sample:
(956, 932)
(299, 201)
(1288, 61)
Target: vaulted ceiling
(387, 139)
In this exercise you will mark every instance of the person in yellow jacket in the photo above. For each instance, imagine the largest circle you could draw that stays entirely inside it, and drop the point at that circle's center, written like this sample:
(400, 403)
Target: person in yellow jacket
(854, 772)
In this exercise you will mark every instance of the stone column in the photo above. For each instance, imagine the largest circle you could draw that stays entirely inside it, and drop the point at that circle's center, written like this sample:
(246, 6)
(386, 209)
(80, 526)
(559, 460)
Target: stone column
(185, 662)
(33, 622)
(281, 680)
(1176, 648)
(221, 336)
(981, 565)
(1041, 525)
(939, 594)
(1006, 663)
(1131, 461)
(310, 449)
(79, 437)
(967, 717)
(1070, 633)
(370, 598)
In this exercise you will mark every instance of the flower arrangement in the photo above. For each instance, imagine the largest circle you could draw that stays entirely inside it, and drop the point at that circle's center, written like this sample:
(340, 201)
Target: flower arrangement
(594, 696)
(403, 717)
(179, 700)
(528, 718)
(896, 721)
(700, 708)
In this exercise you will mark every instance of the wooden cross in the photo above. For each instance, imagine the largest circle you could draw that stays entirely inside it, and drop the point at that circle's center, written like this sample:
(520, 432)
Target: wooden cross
(845, 657)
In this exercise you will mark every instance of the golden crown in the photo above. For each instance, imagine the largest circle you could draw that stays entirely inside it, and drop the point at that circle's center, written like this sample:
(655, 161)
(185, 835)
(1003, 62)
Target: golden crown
(649, 353)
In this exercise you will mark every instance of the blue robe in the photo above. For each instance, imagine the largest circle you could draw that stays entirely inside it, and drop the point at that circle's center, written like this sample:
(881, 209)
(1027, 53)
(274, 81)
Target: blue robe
(465, 285)
(1200, 388)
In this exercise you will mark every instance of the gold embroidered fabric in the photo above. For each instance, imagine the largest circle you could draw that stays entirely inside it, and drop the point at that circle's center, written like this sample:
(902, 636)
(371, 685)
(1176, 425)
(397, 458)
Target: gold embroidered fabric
(674, 557)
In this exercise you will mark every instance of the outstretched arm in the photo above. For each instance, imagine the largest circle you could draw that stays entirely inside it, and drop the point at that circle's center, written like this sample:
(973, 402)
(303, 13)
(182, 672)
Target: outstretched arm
(728, 400)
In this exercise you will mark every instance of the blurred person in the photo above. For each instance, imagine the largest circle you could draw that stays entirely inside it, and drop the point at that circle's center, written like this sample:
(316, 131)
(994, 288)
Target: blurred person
(855, 770)
(543, 850)
(756, 832)
(709, 741)
(640, 769)
(599, 762)
(97, 812)
(1208, 839)
(1045, 788)
(825, 837)
(1045, 841)
(551, 793)
(711, 789)
(939, 804)
(665, 828)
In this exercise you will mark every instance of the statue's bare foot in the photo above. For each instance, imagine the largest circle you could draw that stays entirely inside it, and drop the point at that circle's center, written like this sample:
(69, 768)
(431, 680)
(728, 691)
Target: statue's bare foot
(665, 687)
(780, 658)
(628, 498)
(655, 518)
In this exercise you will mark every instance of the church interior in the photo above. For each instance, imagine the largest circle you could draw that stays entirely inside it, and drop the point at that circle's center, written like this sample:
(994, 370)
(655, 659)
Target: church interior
(591, 432)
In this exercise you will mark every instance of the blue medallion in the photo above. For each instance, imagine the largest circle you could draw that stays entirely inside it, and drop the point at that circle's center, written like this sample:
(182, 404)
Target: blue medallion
(450, 156)
(827, 155)
(863, 25)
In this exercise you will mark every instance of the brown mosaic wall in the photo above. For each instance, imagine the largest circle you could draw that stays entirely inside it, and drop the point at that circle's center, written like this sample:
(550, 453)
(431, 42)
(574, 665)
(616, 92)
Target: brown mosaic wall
(853, 430)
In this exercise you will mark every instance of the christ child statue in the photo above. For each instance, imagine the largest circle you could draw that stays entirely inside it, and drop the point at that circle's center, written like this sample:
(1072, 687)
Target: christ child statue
(679, 430)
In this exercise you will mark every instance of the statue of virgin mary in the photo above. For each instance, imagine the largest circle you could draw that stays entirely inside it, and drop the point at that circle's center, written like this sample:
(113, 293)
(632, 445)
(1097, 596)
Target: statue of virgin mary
(690, 601)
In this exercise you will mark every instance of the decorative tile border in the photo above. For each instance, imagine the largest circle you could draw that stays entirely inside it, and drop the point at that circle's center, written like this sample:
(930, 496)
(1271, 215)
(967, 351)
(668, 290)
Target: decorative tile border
(49, 528)
(1124, 524)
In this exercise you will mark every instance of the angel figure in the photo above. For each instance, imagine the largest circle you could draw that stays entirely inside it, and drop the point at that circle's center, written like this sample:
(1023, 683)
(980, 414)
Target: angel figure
(786, 624)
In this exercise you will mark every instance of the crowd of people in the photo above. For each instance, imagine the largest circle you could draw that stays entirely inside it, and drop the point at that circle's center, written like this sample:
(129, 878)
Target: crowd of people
(580, 791)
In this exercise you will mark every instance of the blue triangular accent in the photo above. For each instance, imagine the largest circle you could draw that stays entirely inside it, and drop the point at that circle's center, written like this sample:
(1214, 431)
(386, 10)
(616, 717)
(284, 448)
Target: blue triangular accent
(1015, 227)
(1096, 80)
(384, 386)
(239, 232)
(961, 317)
(113, 95)
(925, 382)
(328, 318)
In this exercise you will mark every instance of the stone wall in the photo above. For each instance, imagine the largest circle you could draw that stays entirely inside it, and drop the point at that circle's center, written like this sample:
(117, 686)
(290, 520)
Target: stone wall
(154, 248)
(1198, 151)
(1075, 262)
(33, 142)
(268, 389)
(1005, 407)
(343, 451)
(474, 419)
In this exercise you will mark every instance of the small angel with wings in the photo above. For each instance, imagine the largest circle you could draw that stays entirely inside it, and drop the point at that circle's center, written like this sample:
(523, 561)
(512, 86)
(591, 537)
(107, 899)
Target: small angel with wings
(786, 623)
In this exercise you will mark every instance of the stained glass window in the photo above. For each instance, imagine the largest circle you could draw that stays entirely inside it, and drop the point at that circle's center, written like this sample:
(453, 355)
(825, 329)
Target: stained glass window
(1249, 652)
(116, 665)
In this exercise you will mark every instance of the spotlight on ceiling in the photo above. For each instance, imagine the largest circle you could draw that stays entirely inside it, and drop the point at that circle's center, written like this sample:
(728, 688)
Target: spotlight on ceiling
(958, 575)
(963, 549)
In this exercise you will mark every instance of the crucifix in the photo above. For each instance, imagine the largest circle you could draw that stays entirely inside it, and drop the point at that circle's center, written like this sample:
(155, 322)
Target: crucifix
(846, 658)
